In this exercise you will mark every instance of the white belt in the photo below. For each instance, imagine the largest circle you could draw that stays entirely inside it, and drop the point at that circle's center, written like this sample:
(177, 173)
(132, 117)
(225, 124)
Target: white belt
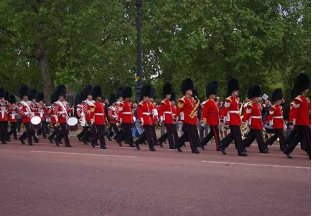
(278, 117)
(256, 117)
(99, 114)
(236, 112)
(146, 113)
(168, 112)
(127, 113)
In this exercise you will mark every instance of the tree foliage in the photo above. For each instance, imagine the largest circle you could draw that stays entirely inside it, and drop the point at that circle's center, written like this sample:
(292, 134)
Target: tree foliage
(73, 42)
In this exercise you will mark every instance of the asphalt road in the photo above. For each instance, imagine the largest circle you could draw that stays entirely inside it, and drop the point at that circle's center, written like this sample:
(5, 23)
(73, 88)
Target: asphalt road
(45, 180)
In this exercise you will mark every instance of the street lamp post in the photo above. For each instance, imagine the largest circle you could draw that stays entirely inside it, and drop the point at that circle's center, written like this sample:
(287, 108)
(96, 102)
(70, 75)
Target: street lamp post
(139, 50)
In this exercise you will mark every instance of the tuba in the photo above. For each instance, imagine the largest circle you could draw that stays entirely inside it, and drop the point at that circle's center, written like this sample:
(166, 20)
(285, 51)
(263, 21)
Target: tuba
(194, 111)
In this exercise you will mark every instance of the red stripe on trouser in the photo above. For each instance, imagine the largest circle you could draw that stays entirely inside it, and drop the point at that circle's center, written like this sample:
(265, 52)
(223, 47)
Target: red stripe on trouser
(215, 136)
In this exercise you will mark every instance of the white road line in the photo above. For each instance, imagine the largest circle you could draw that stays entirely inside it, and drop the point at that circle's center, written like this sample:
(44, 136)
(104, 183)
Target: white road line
(83, 154)
(260, 165)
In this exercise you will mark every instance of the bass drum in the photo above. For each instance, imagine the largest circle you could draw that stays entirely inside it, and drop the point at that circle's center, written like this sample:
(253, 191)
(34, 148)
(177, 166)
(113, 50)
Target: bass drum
(72, 123)
(36, 123)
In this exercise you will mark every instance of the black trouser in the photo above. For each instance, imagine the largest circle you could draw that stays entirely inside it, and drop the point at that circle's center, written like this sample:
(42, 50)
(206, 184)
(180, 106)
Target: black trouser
(116, 129)
(126, 133)
(235, 135)
(6, 130)
(55, 130)
(154, 134)
(80, 135)
(86, 133)
(303, 135)
(171, 134)
(29, 133)
(63, 133)
(146, 135)
(43, 129)
(3, 135)
(98, 132)
(254, 135)
(278, 133)
(214, 132)
(13, 129)
(191, 134)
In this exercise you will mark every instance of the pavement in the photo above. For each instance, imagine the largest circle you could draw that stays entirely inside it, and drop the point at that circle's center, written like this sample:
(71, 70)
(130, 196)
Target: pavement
(46, 180)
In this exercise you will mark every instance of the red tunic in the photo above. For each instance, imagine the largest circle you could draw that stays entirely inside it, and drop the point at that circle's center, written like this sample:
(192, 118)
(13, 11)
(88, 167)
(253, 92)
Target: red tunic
(210, 113)
(231, 111)
(252, 113)
(98, 114)
(42, 111)
(291, 113)
(61, 111)
(186, 106)
(13, 113)
(145, 113)
(154, 113)
(125, 114)
(166, 112)
(4, 110)
(301, 109)
(275, 117)
(87, 107)
(26, 110)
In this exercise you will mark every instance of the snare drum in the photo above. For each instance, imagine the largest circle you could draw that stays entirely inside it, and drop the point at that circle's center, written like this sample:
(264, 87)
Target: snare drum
(36, 122)
(72, 123)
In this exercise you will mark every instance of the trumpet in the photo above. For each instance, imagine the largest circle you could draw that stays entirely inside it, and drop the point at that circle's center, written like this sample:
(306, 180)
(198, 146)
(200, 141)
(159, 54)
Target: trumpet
(194, 111)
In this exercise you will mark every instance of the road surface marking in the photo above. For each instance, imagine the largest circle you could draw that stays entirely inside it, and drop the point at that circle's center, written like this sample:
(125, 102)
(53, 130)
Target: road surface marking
(84, 154)
(260, 165)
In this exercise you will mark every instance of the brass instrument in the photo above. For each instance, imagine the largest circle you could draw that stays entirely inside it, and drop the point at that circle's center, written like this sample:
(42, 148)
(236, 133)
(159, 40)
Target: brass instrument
(194, 111)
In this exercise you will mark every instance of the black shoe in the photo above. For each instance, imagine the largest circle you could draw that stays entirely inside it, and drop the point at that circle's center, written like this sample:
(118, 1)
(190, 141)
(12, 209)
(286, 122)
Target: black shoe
(137, 145)
(179, 149)
(288, 155)
(85, 142)
(202, 146)
(244, 154)
(15, 138)
(222, 149)
(119, 142)
(57, 142)
(36, 140)
(161, 144)
(195, 152)
(79, 138)
(4, 142)
(93, 144)
(173, 148)
(265, 151)
(22, 140)
(109, 138)
(103, 147)
(68, 145)
(131, 145)
(30, 144)
(152, 149)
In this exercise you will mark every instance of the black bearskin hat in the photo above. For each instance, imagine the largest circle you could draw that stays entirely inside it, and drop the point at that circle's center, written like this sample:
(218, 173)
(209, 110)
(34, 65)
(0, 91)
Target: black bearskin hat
(187, 84)
(2, 93)
(153, 93)
(277, 95)
(60, 91)
(53, 97)
(79, 98)
(87, 91)
(233, 85)
(12, 99)
(127, 92)
(195, 93)
(254, 91)
(112, 99)
(119, 92)
(173, 97)
(302, 82)
(24, 91)
(40, 97)
(7, 95)
(97, 92)
(167, 89)
(146, 91)
(212, 88)
(32, 94)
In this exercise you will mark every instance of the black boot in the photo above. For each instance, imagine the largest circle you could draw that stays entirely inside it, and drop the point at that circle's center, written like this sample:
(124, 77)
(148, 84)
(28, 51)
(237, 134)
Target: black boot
(57, 143)
(137, 145)
(222, 149)
(243, 154)
(152, 149)
(50, 139)
(195, 151)
(22, 140)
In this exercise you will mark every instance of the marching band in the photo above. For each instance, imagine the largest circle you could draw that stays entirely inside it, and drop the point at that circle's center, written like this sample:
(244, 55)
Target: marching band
(117, 119)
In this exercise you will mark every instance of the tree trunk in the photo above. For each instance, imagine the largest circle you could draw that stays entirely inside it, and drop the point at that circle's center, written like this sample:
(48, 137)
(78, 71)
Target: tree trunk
(44, 67)
(229, 66)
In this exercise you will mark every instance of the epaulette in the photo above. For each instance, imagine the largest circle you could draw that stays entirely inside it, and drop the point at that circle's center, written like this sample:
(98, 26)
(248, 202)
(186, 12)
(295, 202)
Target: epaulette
(228, 98)
(274, 107)
(141, 103)
(298, 98)
(163, 101)
(182, 99)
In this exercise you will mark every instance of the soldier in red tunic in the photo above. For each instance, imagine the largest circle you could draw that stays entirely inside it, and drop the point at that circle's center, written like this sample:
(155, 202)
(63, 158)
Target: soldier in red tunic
(42, 111)
(61, 109)
(13, 112)
(275, 119)
(301, 120)
(4, 109)
(166, 113)
(210, 114)
(252, 114)
(98, 118)
(53, 117)
(187, 108)
(27, 112)
(155, 117)
(113, 113)
(87, 107)
(125, 117)
(231, 115)
(145, 115)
